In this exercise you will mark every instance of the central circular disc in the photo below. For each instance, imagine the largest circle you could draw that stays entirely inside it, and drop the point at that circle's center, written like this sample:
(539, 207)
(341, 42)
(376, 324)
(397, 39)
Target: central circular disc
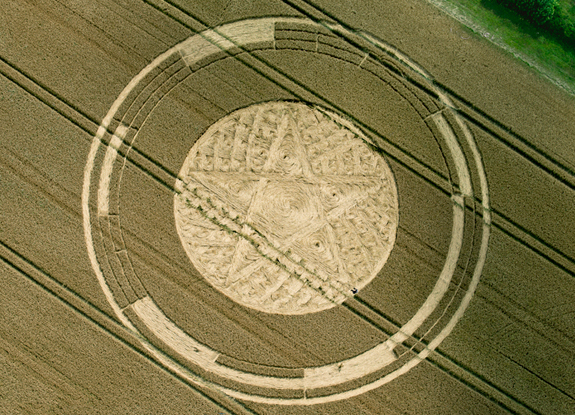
(285, 208)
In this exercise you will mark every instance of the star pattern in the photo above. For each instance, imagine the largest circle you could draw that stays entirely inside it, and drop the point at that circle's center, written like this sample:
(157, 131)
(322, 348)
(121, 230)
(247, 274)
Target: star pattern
(285, 208)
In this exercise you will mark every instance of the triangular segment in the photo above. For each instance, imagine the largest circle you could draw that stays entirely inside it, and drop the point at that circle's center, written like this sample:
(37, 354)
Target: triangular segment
(353, 255)
(320, 254)
(287, 154)
(234, 190)
(374, 243)
(340, 193)
(263, 133)
(244, 263)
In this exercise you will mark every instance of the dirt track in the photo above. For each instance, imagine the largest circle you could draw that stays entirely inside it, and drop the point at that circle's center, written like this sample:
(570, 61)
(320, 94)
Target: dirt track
(63, 347)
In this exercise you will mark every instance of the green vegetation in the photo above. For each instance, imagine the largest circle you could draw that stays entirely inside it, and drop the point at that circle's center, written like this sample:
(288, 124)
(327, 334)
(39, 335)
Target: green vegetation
(549, 15)
(539, 32)
(538, 12)
(562, 23)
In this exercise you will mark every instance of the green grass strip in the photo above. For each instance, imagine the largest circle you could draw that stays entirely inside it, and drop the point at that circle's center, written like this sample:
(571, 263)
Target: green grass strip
(551, 55)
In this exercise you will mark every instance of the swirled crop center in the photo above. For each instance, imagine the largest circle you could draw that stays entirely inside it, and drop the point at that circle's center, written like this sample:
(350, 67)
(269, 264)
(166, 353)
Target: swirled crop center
(285, 208)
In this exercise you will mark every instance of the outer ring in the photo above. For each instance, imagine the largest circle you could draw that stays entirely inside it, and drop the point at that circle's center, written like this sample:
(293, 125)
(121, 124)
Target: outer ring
(201, 48)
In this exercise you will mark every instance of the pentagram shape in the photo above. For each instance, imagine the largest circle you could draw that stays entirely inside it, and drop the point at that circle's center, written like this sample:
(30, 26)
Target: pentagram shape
(284, 208)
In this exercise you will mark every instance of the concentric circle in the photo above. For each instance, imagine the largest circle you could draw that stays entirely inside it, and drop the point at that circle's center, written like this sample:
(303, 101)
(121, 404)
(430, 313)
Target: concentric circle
(297, 201)
(292, 200)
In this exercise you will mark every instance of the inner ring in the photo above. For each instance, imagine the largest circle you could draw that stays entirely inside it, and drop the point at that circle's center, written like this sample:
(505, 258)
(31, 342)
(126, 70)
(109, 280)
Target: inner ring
(284, 208)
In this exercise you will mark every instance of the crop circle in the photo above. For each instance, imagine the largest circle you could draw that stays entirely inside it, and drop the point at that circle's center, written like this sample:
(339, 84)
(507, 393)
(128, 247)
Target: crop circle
(311, 188)
(292, 200)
